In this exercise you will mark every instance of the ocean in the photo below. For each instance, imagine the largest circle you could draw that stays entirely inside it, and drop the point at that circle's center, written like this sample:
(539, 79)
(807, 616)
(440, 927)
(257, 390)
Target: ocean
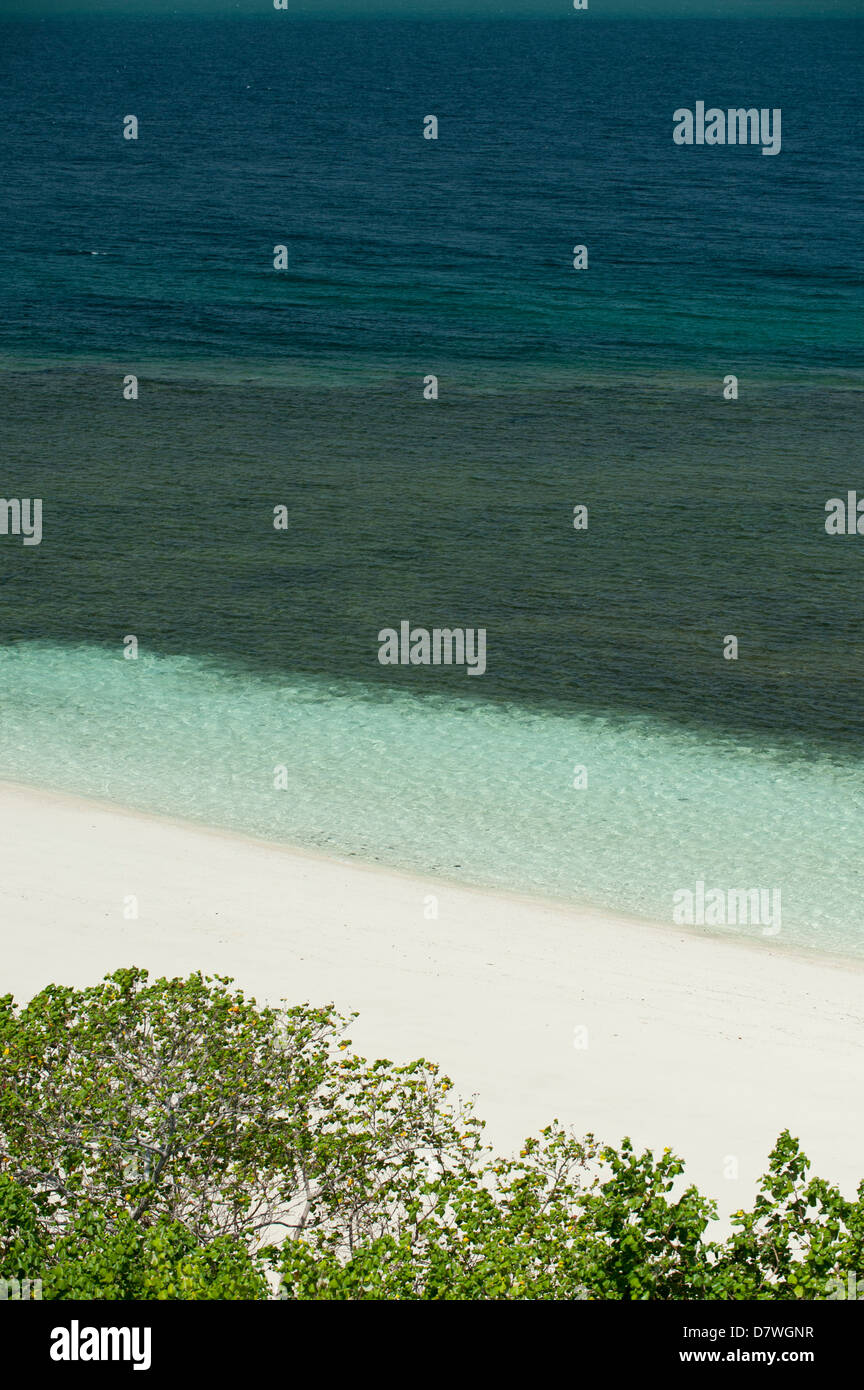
(304, 388)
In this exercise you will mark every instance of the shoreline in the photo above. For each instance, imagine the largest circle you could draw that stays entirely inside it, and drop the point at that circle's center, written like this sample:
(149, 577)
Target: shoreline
(550, 904)
(711, 1046)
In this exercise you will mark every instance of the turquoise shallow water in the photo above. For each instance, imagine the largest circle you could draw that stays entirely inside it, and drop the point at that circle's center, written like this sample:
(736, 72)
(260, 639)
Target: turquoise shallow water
(447, 786)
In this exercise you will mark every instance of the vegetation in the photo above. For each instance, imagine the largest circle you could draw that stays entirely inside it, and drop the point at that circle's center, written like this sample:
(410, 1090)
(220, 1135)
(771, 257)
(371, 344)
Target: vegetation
(172, 1139)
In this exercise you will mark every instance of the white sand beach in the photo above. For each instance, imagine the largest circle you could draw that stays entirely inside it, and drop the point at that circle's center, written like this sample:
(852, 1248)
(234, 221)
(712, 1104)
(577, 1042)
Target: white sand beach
(709, 1045)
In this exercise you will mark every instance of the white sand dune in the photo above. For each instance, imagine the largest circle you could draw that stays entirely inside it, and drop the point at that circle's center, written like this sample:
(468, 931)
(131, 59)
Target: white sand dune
(709, 1045)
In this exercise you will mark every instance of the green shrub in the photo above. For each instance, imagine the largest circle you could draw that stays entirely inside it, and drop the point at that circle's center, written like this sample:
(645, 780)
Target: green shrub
(174, 1140)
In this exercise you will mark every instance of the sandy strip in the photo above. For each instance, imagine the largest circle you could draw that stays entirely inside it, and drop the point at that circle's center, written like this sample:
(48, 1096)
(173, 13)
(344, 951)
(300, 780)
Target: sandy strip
(711, 1046)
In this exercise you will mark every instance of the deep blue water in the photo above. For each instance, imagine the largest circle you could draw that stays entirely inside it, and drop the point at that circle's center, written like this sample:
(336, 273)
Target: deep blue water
(255, 132)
